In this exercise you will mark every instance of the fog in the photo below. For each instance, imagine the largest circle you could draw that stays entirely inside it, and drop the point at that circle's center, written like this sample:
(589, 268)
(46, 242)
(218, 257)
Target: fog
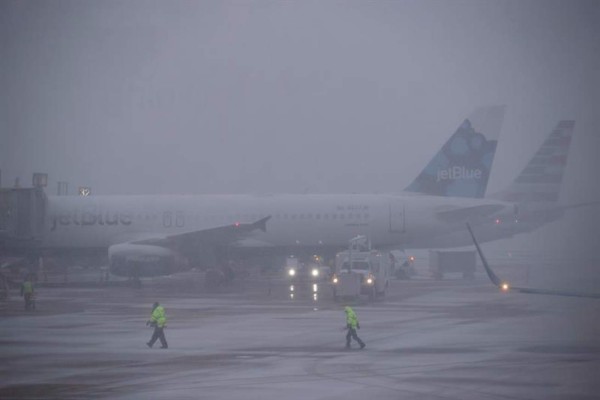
(142, 97)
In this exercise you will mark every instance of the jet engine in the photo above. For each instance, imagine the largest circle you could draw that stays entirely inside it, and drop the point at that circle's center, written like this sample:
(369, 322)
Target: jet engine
(140, 261)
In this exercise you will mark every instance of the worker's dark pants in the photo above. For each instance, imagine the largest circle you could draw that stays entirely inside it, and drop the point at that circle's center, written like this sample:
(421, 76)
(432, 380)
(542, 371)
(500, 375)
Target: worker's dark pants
(29, 304)
(352, 335)
(158, 334)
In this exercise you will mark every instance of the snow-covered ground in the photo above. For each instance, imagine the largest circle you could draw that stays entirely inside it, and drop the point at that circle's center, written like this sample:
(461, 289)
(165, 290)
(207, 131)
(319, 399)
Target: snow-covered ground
(451, 339)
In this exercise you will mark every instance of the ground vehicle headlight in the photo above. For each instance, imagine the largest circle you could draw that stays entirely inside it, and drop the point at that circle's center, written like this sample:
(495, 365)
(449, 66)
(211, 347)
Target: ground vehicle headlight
(504, 287)
(315, 272)
(292, 272)
(335, 279)
(369, 281)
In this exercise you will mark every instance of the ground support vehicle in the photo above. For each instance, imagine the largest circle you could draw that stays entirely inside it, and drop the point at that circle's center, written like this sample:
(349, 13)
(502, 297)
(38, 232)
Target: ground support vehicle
(313, 271)
(402, 266)
(361, 271)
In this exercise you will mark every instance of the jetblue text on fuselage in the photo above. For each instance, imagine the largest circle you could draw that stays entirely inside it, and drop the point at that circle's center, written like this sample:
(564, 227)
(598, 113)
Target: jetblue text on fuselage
(91, 218)
(457, 172)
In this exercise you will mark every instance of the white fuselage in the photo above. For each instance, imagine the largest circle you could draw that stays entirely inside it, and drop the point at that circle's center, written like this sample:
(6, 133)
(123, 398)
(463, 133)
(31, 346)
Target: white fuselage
(407, 221)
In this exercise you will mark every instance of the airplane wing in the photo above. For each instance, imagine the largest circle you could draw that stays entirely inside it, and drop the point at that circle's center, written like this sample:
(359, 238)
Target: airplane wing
(505, 287)
(212, 236)
(467, 213)
(579, 205)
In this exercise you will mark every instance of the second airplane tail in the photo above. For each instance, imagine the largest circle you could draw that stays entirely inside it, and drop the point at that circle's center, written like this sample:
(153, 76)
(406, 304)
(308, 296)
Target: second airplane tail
(462, 167)
(540, 181)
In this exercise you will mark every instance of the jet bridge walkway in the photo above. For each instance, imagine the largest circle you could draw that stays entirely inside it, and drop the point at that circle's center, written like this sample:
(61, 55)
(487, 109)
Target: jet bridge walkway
(22, 216)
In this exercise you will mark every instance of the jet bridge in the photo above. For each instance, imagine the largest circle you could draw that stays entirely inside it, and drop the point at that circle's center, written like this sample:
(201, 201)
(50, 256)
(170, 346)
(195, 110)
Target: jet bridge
(22, 215)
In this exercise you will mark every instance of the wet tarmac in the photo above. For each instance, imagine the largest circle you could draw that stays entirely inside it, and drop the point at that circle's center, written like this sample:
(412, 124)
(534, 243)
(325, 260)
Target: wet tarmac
(451, 339)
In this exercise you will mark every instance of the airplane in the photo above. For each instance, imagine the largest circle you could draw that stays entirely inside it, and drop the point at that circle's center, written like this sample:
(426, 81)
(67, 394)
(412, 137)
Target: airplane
(154, 235)
(158, 235)
(504, 286)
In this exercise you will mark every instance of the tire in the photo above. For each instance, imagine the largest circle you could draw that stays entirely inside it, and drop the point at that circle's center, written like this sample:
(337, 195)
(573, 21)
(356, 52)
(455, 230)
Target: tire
(214, 278)
(401, 274)
(372, 294)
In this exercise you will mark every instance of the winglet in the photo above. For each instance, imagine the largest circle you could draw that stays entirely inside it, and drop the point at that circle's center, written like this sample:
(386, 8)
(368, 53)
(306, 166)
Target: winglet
(505, 287)
(495, 280)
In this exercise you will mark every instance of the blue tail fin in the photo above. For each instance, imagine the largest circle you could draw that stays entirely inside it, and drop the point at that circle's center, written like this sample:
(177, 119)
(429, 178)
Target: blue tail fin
(462, 167)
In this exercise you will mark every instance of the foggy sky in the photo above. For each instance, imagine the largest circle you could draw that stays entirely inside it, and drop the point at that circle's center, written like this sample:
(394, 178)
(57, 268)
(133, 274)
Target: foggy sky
(141, 97)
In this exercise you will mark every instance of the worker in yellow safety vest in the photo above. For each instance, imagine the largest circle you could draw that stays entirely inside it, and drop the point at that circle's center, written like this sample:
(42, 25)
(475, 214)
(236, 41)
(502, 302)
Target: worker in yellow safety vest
(351, 326)
(158, 320)
(27, 292)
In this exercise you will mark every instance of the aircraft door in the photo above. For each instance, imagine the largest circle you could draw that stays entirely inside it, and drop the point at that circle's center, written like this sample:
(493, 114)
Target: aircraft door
(397, 215)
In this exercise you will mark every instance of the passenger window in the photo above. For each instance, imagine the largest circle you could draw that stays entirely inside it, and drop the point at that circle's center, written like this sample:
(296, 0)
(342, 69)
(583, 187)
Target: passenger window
(167, 219)
(179, 219)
